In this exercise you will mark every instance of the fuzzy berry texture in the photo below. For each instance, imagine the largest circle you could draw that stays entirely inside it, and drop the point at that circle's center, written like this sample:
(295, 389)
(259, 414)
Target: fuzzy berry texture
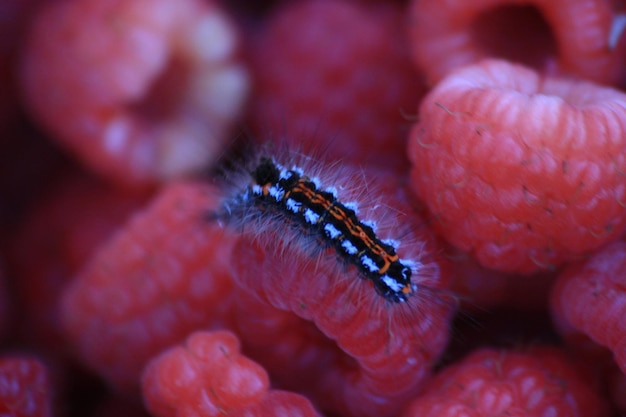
(139, 90)
(589, 299)
(209, 376)
(335, 76)
(164, 274)
(522, 170)
(539, 382)
(25, 389)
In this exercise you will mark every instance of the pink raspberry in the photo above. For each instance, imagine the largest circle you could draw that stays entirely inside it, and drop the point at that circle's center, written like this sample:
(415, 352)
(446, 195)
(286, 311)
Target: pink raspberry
(523, 171)
(140, 90)
(589, 299)
(335, 76)
(481, 289)
(25, 389)
(565, 36)
(209, 376)
(538, 382)
(62, 230)
(163, 275)
(355, 352)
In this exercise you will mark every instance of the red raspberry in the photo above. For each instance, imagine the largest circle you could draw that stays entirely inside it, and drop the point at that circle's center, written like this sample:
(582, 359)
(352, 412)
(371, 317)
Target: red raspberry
(336, 76)
(523, 171)
(386, 350)
(25, 389)
(280, 403)
(483, 289)
(209, 376)
(539, 382)
(140, 90)
(590, 298)
(163, 275)
(572, 36)
(65, 226)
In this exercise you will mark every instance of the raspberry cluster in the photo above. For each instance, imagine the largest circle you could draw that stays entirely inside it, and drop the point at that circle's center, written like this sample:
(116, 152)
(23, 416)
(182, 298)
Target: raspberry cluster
(442, 232)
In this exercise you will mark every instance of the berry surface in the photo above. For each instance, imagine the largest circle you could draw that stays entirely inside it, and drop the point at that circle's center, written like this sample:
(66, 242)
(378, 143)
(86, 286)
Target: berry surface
(104, 287)
(335, 76)
(25, 389)
(488, 382)
(386, 350)
(482, 289)
(589, 298)
(572, 37)
(77, 214)
(162, 275)
(522, 170)
(209, 376)
(143, 91)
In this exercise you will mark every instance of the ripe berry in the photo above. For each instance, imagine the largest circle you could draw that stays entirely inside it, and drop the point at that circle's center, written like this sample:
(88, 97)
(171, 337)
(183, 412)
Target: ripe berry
(209, 376)
(376, 353)
(555, 36)
(139, 90)
(523, 171)
(538, 382)
(163, 275)
(336, 76)
(25, 389)
(589, 299)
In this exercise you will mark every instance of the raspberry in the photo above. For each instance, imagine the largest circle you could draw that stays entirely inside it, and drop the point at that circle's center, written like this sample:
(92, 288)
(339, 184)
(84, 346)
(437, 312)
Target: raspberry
(336, 76)
(572, 36)
(524, 172)
(25, 389)
(163, 275)
(386, 349)
(480, 288)
(65, 226)
(208, 376)
(140, 90)
(281, 403)
(539, 382)
(590, 298)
